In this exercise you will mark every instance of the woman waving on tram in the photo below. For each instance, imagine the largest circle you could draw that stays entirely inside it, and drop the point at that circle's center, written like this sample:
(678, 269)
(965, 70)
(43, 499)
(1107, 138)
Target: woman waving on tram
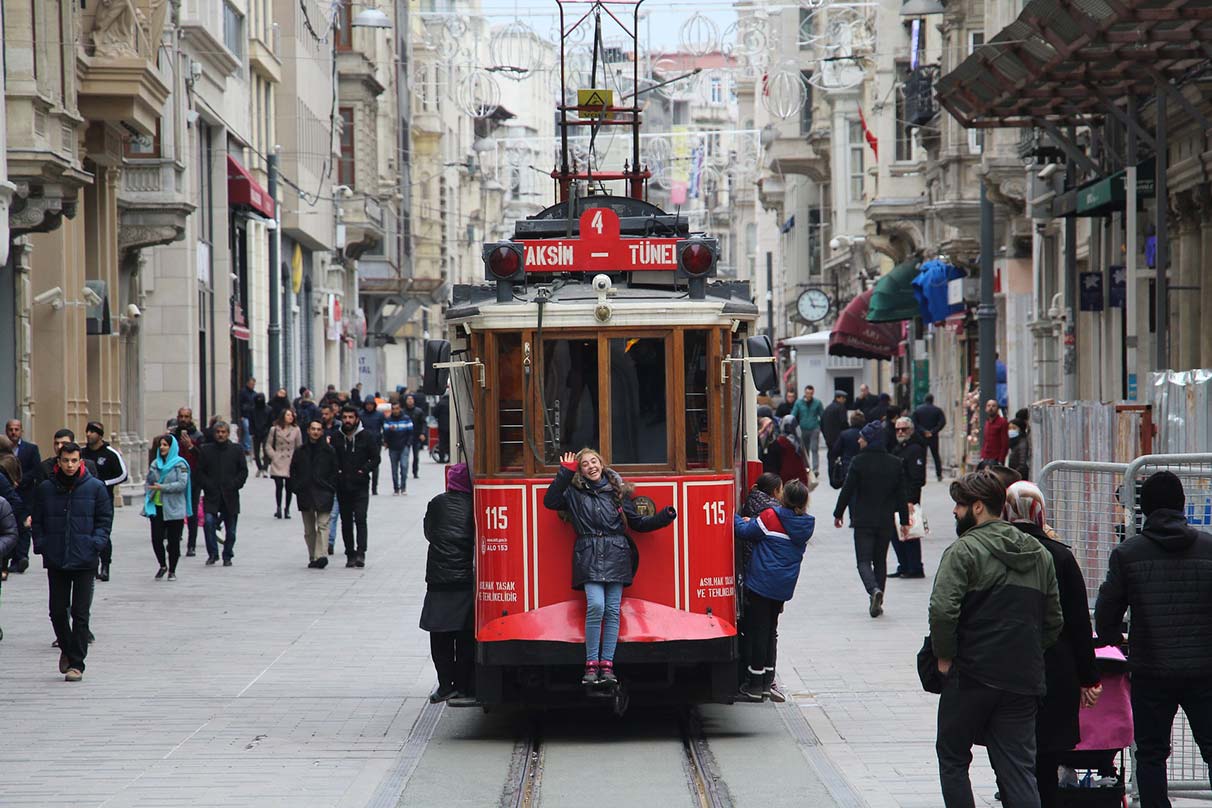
(599, 505)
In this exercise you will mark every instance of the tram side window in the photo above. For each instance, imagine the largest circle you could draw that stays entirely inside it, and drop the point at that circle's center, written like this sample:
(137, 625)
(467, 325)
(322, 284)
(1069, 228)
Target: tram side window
(510, 429)
(698, 421)
(638, 415)
(570, 396)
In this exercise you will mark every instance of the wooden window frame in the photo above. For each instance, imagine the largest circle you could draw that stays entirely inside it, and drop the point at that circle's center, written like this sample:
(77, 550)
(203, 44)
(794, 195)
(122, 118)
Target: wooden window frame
(347, 163)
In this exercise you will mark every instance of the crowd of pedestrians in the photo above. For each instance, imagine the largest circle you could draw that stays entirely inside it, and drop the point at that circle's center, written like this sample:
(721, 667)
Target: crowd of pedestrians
(62, 507)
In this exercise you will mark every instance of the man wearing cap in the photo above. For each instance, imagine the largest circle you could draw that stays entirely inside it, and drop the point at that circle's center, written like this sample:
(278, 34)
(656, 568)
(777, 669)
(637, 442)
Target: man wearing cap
(1164, 575)
(875, 493)
(834, 421)
(111, 470)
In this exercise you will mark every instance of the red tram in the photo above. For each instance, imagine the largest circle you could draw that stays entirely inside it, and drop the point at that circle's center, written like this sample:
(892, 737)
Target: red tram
(598, 327)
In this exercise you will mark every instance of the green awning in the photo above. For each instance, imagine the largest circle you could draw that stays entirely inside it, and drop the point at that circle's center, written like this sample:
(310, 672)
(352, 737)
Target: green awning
(1108, 195)
(892, 299)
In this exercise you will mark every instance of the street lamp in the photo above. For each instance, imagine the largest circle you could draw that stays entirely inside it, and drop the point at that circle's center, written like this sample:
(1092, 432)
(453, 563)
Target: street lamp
(371, 17)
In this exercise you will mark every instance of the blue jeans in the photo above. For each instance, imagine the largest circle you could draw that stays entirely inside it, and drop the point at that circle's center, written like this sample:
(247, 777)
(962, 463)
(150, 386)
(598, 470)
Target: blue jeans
(399, 468)
(332, 524)
(245, 436)
(602, 620)
(229, 534)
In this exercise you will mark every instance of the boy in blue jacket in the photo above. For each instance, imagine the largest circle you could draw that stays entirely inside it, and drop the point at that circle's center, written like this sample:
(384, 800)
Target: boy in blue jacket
(779, 536)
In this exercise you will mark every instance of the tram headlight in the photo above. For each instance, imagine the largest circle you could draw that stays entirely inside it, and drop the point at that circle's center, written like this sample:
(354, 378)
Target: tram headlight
(697, 257)
(504, 261)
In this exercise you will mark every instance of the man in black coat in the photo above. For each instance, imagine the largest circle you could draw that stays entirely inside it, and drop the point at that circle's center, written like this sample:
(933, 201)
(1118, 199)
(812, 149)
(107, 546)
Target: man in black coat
(1164, 575)
(910, 449)
(358, 456)
(222, 472)
(73, 515)
(420, 430)
(874, 492)
(929, 421)
(865, 400)
(833, 422)
(372, 422)
(313, 479)
(30, 458)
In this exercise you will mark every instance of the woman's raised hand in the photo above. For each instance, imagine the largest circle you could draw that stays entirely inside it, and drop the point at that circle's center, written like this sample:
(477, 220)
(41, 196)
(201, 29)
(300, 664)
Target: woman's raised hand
(568, 457)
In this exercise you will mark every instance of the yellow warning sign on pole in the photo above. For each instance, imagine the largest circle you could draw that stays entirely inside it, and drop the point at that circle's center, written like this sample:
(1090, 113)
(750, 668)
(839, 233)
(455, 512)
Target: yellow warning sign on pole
(592, 102)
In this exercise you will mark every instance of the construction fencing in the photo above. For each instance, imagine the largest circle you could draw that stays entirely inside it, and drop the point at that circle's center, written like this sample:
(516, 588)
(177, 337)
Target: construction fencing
(1093, 506)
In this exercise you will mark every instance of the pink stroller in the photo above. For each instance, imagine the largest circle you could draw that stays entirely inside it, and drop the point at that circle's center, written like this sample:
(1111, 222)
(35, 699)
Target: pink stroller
(1106, 733)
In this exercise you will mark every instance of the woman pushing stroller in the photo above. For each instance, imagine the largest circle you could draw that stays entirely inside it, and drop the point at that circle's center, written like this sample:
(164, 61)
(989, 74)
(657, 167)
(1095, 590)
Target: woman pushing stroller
(600, 506)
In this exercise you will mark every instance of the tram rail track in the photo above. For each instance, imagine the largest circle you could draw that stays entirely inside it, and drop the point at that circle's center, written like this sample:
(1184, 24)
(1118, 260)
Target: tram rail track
(707, 788)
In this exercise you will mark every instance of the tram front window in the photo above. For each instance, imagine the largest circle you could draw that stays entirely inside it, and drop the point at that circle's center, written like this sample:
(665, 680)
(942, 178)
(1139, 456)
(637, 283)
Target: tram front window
(638, 418)
(570, 396)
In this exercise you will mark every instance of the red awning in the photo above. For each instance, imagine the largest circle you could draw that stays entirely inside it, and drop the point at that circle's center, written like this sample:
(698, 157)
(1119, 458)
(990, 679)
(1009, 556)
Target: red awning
(242, 189)
(853, 336)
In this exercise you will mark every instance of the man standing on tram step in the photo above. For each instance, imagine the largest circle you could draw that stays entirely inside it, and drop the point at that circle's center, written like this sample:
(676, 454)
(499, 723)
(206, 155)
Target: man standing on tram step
(372, 422)
(874, 492)
(420, 431)
(1164, 575)
(222, 472)
(29, 458)
(358, 456)
(313, 479)
(910, 449)
(73, 514)
(111, 470)
(996, 444)
(248, 403)
(930, 420)
(397, 435)
(808, 411)
(994, 610)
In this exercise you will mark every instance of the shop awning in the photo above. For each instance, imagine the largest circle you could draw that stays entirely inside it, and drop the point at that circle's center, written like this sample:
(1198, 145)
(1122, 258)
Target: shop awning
(1064, 62)
(243, 190)
(1108, 195)
(853, 336)
(892, 298)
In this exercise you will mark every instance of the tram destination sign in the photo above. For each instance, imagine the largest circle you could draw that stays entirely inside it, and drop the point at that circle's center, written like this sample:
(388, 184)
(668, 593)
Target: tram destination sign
(600, 248)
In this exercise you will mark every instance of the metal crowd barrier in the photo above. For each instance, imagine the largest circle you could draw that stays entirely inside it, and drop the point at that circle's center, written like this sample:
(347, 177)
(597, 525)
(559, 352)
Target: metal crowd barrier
(1093, 506)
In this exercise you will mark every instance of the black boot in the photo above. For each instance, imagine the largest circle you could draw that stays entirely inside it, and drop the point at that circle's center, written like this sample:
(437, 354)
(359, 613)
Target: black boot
(751, 690)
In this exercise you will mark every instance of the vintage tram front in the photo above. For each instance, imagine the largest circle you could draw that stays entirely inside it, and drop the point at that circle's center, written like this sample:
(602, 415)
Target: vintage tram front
(599, 328)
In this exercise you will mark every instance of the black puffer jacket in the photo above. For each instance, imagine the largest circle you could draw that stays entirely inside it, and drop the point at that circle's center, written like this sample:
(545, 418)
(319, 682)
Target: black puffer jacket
(602, 553)
(313, 475)
(1164, 575)
(450, 529)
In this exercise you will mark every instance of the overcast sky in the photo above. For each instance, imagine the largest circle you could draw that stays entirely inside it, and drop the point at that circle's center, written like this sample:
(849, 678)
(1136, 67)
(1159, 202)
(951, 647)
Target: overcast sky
(664, 24)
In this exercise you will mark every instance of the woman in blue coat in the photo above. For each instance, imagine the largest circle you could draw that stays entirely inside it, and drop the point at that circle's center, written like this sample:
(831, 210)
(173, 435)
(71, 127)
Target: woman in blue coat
(167, 502)
(779, 536)
(599, 505)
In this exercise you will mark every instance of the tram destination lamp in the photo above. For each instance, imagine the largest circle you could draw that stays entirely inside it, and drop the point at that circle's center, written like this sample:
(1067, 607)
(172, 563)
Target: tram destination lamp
(505, 263)
(697, 258)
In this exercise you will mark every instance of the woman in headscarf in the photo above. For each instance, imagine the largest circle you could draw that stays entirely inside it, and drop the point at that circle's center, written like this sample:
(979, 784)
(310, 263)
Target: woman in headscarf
(1069, 670)
(447, 613)
(167, 501)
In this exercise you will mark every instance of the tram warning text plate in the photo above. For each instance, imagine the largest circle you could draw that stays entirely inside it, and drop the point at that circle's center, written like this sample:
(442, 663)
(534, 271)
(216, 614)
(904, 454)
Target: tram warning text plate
(600, 248)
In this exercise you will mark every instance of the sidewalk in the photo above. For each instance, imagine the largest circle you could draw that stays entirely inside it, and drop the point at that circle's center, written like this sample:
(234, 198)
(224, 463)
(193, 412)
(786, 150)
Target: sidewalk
(264, 684)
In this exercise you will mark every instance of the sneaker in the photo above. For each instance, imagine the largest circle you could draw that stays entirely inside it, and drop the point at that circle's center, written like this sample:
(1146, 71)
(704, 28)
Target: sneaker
(606, 672)
(441, 694)
(877, 603)
(227, 562)
(172, 576)
(776, 695)
(590, 676)
(321, 562)
(63, 663)
(461, 699)
(73, 675)
(160, 573)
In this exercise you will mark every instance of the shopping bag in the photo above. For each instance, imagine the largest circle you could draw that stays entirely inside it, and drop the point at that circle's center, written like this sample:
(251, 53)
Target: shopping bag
(918, 529)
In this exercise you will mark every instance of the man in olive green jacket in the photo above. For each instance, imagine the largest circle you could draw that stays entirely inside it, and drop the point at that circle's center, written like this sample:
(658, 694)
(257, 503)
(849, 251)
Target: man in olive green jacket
(994, 609)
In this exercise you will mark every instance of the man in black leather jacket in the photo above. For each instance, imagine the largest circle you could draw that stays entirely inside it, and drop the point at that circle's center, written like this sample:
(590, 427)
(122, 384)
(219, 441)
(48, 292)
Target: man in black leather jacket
(357, 458)
(1164, 575)
(448, 612)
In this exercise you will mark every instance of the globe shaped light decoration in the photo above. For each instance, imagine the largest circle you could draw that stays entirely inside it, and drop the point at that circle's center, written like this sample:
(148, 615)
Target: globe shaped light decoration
(785, 93)
(518, 49)
(478, 94)
(656, 154)
(699, 35)
(746, 42)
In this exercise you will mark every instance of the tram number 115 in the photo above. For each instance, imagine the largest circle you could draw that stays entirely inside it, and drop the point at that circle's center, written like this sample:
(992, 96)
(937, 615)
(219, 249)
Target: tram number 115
(715, 512)
(496, 517)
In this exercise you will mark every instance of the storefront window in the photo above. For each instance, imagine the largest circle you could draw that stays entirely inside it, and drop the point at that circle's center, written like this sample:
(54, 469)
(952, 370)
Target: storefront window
(698, 442)
(511, 433)
(638, 415)
(570, 396)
